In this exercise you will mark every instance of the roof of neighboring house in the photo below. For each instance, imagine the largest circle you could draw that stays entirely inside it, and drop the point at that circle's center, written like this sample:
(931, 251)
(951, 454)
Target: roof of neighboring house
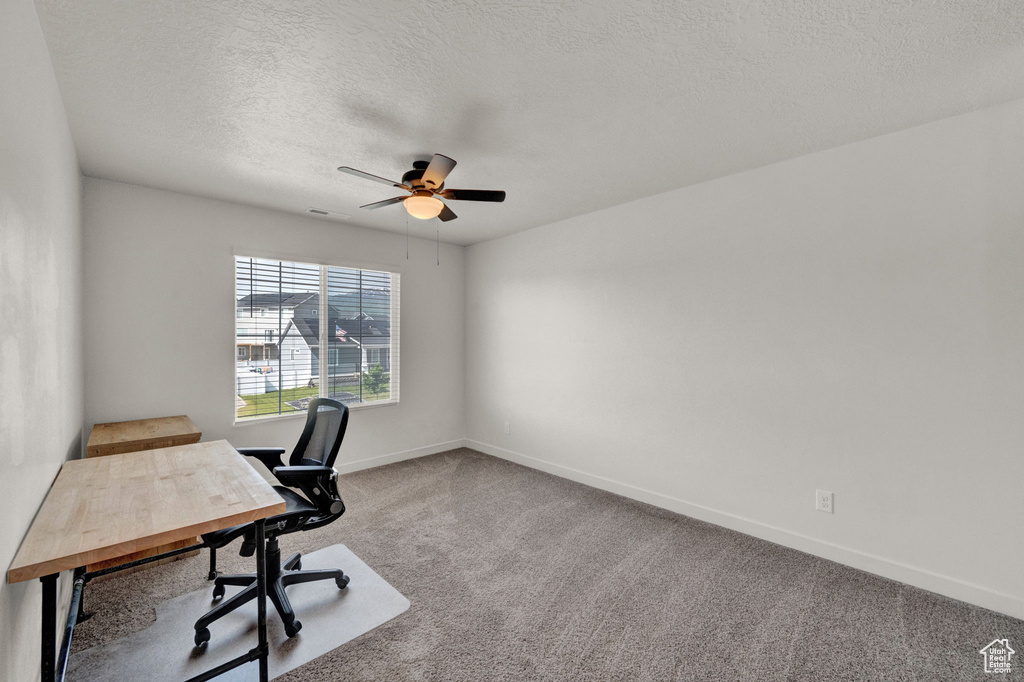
(363, 317)
(373, 302)
(274, 300)
(366, 331)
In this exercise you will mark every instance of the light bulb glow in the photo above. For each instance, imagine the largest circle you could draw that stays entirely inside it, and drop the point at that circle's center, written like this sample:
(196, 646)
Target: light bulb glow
(422, 207)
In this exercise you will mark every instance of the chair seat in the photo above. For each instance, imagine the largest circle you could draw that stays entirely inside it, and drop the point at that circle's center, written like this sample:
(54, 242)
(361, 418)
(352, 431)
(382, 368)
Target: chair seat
(296, 505)
(295, 502)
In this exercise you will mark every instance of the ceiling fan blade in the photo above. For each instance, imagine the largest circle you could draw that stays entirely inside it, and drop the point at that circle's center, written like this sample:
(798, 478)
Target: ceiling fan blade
(386, 202)
(439, 168)
(447, 214)
(369, 176)
(474, 194)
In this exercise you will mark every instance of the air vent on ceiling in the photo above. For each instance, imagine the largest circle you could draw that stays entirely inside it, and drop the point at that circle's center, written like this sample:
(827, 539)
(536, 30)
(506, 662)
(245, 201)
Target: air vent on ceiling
(323, 213)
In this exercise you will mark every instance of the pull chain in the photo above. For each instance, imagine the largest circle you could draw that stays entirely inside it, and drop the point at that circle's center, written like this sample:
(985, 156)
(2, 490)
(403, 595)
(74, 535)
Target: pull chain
(406, 236)
(437, 237)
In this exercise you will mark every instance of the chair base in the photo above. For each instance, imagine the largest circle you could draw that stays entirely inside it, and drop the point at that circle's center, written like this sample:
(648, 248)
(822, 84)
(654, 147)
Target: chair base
(278, 578)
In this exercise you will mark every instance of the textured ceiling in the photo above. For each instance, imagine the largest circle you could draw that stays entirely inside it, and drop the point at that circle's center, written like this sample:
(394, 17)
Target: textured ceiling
(570, 106)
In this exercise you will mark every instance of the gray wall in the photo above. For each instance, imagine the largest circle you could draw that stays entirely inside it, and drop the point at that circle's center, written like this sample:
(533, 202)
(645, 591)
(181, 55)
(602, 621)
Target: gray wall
(160, 318)
(40, 310)
(852, 320)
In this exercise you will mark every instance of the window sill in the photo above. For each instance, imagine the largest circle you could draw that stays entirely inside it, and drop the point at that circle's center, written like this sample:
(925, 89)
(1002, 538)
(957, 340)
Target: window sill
(292, 415)
(374, 404)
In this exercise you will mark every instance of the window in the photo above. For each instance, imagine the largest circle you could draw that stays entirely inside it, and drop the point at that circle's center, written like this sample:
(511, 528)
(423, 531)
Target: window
(376, 356)
(279, 366)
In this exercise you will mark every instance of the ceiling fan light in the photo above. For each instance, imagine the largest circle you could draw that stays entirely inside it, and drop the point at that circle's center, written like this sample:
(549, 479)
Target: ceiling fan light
(423, 208)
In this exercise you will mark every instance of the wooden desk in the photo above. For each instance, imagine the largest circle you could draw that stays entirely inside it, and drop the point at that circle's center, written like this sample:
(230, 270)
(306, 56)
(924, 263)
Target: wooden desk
(137, 435)
(107, 507)
(116, 438)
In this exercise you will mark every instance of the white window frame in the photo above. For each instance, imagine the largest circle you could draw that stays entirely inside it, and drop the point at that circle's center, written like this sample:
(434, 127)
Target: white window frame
(394, 354)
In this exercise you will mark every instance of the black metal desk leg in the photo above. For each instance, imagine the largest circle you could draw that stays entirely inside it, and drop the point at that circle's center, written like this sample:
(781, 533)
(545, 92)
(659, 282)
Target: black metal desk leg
(48, 656)
(260, 652)
(261, 598)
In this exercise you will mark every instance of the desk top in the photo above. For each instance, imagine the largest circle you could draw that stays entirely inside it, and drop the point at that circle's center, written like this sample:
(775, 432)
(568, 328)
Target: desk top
(106, 507)
(141, 431)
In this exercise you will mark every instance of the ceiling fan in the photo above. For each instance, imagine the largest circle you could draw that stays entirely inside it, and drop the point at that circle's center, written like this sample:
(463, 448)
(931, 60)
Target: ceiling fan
(425, 182)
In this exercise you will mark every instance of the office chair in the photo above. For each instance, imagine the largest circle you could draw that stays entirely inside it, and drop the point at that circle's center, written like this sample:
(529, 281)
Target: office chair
(311, 470)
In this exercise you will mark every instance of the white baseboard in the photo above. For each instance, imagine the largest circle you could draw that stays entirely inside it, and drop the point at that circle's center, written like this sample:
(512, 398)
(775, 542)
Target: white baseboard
(381, 460)
(927, 580)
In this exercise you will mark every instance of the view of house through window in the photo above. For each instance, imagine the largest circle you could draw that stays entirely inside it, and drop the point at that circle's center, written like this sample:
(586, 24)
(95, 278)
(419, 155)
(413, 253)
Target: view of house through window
(279, 366)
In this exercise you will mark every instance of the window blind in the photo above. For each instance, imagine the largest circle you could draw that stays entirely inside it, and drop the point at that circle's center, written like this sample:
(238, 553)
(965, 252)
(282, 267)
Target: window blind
(304, 330)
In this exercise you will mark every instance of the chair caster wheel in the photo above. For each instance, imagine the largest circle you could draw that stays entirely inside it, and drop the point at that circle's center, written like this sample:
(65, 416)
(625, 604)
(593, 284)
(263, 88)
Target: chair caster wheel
(293, 629)
(342, 582)
(218, 592)
(202, 636)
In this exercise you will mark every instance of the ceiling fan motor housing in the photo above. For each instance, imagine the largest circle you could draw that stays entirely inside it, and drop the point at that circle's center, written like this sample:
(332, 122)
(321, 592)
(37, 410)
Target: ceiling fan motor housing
(413, 177)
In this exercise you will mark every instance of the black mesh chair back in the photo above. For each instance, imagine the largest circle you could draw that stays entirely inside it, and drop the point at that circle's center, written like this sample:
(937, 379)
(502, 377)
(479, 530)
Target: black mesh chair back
(326, 421)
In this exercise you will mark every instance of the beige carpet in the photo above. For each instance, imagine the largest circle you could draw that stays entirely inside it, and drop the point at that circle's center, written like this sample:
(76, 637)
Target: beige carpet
(517, 575)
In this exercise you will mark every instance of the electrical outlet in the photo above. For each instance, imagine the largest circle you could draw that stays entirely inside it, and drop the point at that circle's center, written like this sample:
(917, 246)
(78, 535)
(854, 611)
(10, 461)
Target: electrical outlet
(823, 501)
(508, 428)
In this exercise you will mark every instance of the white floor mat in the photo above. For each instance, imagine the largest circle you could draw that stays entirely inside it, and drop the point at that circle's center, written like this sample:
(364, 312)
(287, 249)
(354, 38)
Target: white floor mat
(329, 616)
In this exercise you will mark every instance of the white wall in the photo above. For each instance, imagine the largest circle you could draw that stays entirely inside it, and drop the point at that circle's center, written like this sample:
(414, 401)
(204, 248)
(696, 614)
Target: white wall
(160, 318)
(851, 320)
(40, 310)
